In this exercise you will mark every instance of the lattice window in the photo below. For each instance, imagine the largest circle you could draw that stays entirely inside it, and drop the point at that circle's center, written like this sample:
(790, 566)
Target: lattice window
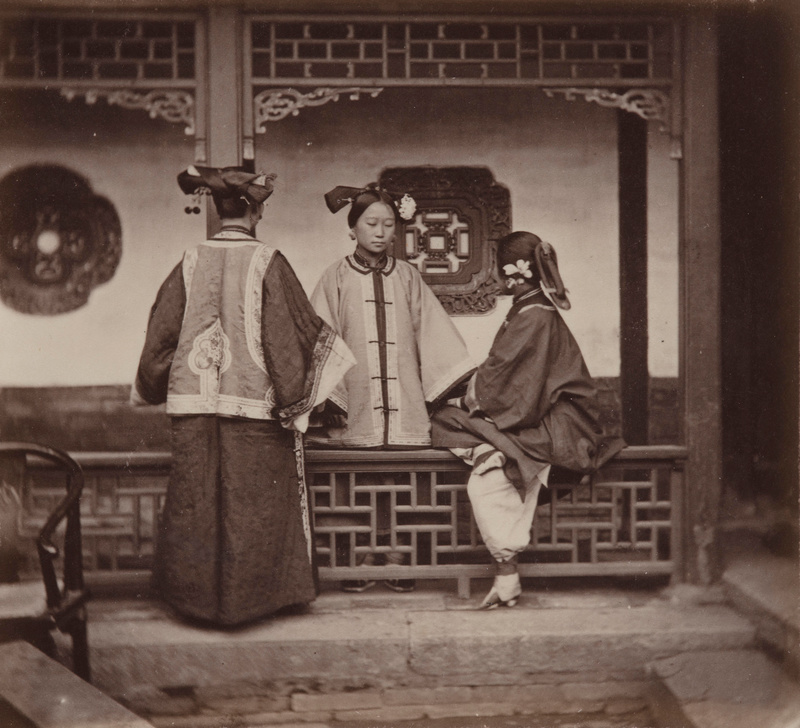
(119, 517)
(438, 242)
(461, 213)
(96, 49)
(542, 51)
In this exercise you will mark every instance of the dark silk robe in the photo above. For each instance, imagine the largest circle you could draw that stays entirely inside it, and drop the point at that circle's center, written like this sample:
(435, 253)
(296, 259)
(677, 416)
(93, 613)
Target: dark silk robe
(533, 399)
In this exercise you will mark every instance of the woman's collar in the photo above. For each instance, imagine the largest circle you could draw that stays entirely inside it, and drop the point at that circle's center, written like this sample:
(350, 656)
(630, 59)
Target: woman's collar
(529, 294)
(380, 264)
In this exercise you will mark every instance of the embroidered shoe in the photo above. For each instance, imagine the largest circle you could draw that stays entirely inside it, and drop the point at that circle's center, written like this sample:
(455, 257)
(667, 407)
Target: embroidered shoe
(505, 592)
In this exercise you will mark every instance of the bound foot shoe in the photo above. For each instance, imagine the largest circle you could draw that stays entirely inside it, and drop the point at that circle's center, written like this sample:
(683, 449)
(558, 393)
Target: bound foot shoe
(505, 592)
(357, 586)
(401, 585)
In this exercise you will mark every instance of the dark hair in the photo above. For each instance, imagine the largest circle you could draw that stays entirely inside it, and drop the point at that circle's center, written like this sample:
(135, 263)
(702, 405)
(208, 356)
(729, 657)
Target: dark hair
(364, 200)
(228, 207)
(518, 246)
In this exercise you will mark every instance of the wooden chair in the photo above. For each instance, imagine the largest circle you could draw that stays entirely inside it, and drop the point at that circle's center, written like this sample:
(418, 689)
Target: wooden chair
(30, 609)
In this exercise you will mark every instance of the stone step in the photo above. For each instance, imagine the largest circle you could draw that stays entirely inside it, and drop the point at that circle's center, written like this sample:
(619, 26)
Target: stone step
(766, 589)
(40, 692)
(724, 689)
(420, 639)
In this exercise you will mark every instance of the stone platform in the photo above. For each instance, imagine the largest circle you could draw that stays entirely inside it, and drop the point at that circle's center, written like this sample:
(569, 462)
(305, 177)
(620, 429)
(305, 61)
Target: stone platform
(565, 650)
(623, 654)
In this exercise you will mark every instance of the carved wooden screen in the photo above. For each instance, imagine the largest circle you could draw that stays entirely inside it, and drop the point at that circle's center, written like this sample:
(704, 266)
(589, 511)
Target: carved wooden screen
(461, 213)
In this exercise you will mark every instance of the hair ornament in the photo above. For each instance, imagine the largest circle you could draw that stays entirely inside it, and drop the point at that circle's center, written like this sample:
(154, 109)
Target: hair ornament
(522, 267)
(406, 207)
(340, 197)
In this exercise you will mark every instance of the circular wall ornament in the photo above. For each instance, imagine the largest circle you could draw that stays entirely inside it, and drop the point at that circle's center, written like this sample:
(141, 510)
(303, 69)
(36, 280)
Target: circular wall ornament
(58, 240)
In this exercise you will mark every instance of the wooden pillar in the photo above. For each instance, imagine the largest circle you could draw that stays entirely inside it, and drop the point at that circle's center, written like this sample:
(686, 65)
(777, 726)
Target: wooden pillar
(224, 93)
(700, 296)
(634, 375)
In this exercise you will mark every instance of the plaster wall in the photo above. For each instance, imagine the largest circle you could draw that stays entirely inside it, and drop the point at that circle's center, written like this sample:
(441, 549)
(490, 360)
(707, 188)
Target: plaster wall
(557, 158)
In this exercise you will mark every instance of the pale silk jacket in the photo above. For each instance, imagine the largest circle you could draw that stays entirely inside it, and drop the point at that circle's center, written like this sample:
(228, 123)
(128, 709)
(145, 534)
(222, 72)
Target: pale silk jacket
(407, 350)
(232, 334)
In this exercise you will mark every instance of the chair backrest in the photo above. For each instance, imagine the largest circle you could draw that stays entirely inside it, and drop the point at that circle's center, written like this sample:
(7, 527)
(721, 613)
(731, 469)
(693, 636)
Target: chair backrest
(68, 508)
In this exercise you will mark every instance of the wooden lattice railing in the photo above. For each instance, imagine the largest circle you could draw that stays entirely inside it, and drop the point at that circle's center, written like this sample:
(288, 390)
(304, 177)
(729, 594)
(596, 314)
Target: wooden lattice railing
(627, 521)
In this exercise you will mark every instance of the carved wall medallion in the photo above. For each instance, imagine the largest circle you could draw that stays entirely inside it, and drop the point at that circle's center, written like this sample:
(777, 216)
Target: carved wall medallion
(58, 240)
(461, 213)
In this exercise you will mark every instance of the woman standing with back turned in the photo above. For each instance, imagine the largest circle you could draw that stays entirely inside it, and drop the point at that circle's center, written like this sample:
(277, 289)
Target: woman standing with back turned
(240, 357)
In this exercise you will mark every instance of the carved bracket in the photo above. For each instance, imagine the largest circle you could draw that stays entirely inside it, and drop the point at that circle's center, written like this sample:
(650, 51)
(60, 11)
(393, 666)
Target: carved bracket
(277, 104)
(650, 104)
(171, 105)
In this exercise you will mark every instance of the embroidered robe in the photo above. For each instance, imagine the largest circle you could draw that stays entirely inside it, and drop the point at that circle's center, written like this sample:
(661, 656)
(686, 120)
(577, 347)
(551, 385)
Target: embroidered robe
(237, 352)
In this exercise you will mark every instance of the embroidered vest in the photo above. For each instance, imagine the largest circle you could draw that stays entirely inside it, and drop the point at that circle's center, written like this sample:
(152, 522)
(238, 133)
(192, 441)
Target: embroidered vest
(219, 366)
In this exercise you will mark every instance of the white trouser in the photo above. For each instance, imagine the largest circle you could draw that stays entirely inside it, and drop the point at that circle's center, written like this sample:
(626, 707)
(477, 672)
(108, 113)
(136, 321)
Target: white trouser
(503, 517)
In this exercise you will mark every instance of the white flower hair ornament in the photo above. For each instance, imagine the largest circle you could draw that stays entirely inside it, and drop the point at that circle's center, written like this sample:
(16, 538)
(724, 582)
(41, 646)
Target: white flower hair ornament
(406, 207)
(520, 268)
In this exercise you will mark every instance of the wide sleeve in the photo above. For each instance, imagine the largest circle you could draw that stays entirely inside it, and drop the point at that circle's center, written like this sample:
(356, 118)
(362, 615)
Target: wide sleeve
(305, 357)
(325, 300)
(161, 341)
(513, 386)
(444, 361)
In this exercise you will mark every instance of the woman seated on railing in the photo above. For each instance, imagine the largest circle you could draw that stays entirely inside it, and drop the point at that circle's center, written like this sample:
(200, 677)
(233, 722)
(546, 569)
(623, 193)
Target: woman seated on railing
(531, 405)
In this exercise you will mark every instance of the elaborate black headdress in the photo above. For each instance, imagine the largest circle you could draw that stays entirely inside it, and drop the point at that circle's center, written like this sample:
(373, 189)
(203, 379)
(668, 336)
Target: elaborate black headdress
(341, 196)
(222, 182)
(547, 263)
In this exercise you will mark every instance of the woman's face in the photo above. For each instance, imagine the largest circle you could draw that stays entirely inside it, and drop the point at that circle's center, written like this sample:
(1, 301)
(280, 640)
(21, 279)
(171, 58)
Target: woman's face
(374, 231)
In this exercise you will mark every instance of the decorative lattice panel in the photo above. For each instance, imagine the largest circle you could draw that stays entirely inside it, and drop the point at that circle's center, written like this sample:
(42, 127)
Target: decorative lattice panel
(388, 504)
(118, 515)
(621, 521)
(49, 49)
(536, 52)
